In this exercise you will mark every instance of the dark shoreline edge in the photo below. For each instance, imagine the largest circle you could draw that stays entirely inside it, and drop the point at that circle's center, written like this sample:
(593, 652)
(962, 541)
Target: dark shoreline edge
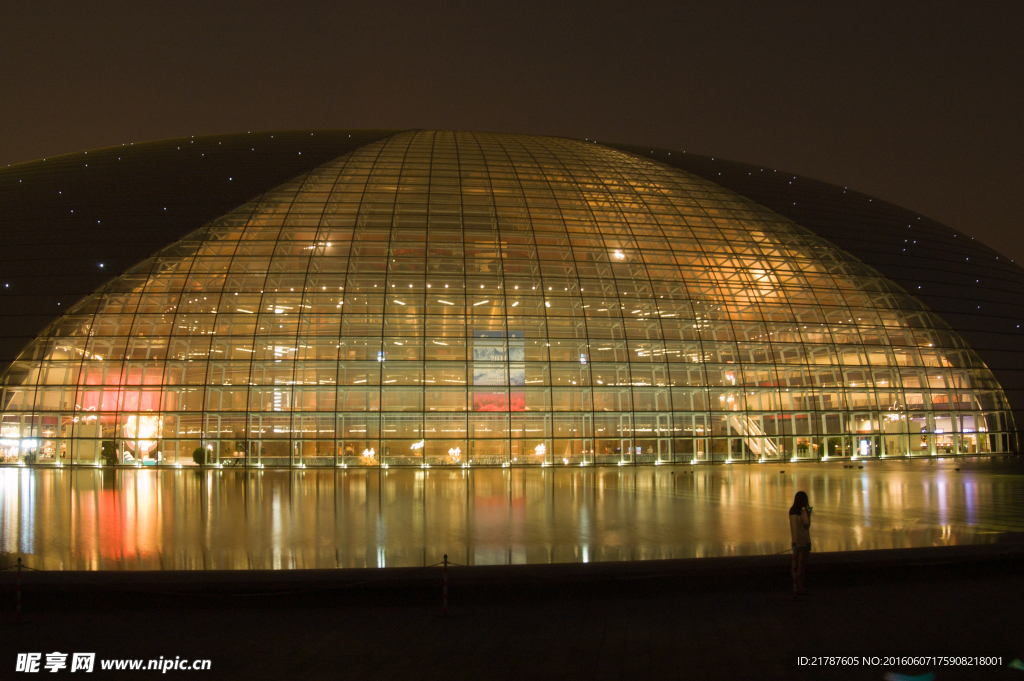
(199, 588)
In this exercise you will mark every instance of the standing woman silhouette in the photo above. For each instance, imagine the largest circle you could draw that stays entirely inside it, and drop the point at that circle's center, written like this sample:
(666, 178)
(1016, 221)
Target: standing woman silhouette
(800, 531)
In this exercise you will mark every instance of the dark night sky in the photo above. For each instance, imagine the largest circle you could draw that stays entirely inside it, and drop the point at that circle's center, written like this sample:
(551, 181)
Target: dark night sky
(919, 103)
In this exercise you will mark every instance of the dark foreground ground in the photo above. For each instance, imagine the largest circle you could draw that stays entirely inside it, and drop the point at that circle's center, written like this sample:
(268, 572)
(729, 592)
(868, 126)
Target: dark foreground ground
(705, 619)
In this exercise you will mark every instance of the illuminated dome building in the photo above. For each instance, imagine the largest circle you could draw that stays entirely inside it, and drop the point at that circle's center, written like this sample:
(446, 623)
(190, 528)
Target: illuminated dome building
(455, 299)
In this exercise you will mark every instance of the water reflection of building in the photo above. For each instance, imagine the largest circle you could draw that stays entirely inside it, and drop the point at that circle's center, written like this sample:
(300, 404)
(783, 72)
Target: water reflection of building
(192, 519)
(455, 299)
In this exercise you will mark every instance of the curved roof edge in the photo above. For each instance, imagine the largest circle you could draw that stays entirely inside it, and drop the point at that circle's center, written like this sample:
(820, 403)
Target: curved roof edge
(975, 289)
(71, 223)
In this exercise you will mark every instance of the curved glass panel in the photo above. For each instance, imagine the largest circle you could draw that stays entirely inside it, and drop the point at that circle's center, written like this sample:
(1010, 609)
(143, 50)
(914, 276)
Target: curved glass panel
(455, 299)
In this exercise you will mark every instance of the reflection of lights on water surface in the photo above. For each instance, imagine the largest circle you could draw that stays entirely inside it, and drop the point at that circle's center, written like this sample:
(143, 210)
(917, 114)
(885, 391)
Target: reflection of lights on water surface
(155, 519)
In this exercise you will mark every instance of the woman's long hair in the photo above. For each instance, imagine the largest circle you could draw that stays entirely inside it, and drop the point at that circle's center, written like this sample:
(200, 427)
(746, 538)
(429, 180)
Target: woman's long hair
(800, 502)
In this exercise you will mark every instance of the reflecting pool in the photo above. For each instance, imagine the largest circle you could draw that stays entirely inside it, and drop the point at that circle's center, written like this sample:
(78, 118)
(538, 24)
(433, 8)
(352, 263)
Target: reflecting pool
(92, 519)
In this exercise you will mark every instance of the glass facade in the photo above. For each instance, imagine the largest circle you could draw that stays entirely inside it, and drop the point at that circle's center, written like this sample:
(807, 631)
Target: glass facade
(972, 287)
(457, 299)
